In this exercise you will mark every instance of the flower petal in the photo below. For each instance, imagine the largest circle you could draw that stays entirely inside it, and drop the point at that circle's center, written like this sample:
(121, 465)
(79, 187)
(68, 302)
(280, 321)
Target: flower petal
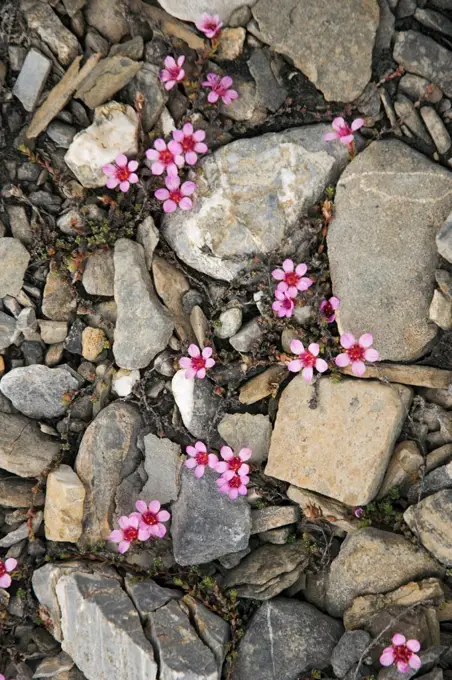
(185, 362)
(200, 446)
(191, 157)
(160, 143)
(124, 522)
(112, 183)
(245, 454)
(185, 203)
(358, 368)
(288, 266)
(226, 452)
(307, 373)
(121, 160)
(413, 645)
(358, 123)
(190, 373)
(321, 365)
(366, 340)
(201, 373)
(338, 123)
(141, 506)
(207, 352)
(5, 581)
(213, 460)
(296, 346)
(157, 168)
(221, 467)
(342, 360)
(115, 536)
(132, 166)
(199, 472)
(194, 350)
(330, 136)
(169, 207)
(169, 62)
(154, 506)
(152, 154)
(295, 366)
(314, 348)
(210, 362)
(243, 470)
(334, 302)
(347, 340)
(387, 658)
(163, 516)
(190, 463)
(109, 169)
(11, 564)
(415, 661)
(124, 186)
(278, 274)
(124, 546)
(348, 139)
(371, 355)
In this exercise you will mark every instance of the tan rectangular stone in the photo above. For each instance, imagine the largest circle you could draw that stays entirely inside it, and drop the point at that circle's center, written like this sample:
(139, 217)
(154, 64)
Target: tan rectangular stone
(420, 376)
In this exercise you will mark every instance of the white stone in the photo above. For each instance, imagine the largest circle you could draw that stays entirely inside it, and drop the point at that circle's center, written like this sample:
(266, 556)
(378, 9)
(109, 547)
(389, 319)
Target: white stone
(114, 131)
(124, 380)
(191, 10)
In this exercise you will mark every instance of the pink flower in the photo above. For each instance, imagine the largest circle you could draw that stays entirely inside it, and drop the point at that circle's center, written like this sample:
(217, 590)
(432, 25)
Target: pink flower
(5, 568)
(307, 360)
(232, 463)
(358, 512)
(175, 195)
(292, 278)
(357, 352)
(129, 532)
(197, 363)
(165, 157)
(220, 88)
(328, 308)
(150, 519)
(402, 653)
(121, 172)
(173, 72)
(199, 459)
(232, 484)
(284, 304)
(209, 24)
(343, 131)
(191, 142)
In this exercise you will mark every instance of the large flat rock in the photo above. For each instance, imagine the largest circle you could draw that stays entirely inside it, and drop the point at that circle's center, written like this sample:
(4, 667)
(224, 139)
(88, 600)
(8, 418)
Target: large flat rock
(341, 448)
(250, 195)
(116, 646)
(191, 10)
(205, 523)
(374, 561)
(431, 520)
(24, 449)
(108, 454)
(390, 203)
(331, 41)
(286, 638)
(143, 326)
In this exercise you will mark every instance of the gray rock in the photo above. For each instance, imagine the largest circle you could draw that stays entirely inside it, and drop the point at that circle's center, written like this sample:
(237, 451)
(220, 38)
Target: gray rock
(213, 630)
(268, 570)
(416, 88)
(352, 33)
(248, 337)
(28, 172)
(270, 93)
(348, 651)
(42, 19)
(385, 30)
(190, 10)
(374, 561)
(279, 175)
(163, 465)
(423, 56)
(375, 214)
(198, 404)
(410, 119)
(24, 449)
(273, 517)
(147, 596)
(443, 239)
(73, 6)
(437, 129)
(434, 20)
(14, 258)
(405, 8)
(133, 49)
(148, 236)
(74, 340)
(244, 430)
(431, 521)
(144, 326)
(436, 480)
(20, 226)
(22, 532)
(180, 652)
(38, 391)
(99, 275)
(53, 331)
(265, 651)
(107, 77)
(117, 646)
(233, 559)
(16, 492)
(61, 133)
(109, 18)
(8, 330)
(228, 323)
(43, 199)
(108, 455)
(71, 223)
(114, 130)
(205, 523)
(53, 665)
(59, 300)
(440, 311)
(148, 84)
(32, 79)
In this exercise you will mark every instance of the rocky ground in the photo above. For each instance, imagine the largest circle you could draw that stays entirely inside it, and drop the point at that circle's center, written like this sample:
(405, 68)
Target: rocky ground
(342, 537)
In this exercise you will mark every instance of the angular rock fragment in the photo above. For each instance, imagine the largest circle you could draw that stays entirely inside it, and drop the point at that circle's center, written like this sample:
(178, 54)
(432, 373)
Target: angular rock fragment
(14, 258)
(24, 449)
(163, 466)
(431, 521)
(32, 79)
(109, 76)
(42, 19)
(63, 512)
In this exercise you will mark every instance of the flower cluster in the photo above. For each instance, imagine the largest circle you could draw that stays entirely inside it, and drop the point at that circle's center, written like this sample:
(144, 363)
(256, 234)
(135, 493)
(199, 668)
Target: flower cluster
(233, 469)
(357, 352)
(197, 362)
(402, 653)
(6, 568)
(292, 280)
(140, 526)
